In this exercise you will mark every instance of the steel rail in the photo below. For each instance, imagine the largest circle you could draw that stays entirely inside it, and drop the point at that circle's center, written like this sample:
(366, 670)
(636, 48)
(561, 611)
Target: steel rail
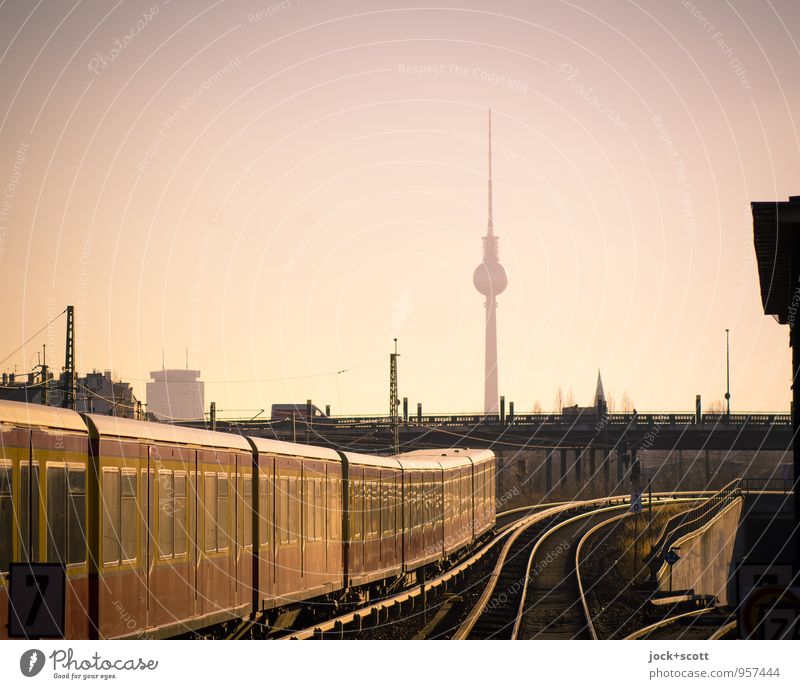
(413, 592)
(723, 630)
(581, 591)
(403, 596)
(644, 631)
(584, 538)
(474, 614)
(547, 534)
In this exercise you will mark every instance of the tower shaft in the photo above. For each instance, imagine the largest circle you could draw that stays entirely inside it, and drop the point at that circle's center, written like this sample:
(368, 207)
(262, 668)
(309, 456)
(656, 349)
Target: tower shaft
(491, 392)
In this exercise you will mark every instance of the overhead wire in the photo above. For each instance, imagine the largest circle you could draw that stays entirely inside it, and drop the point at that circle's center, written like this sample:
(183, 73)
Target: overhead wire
(42, 329)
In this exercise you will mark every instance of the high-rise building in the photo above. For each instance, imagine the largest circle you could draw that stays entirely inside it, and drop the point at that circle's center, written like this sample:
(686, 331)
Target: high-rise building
(176, 394)
(490, 279)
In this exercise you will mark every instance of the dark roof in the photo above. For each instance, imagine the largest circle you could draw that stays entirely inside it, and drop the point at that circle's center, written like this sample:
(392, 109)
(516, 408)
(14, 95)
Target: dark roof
(774, 225)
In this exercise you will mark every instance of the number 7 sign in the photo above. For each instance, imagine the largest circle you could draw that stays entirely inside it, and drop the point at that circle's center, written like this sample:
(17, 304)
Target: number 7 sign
(36, 600)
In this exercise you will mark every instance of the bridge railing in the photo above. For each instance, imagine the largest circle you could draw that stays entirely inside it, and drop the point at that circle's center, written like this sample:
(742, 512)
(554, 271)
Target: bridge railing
(767, 485)
(693, 519)
(579, 419)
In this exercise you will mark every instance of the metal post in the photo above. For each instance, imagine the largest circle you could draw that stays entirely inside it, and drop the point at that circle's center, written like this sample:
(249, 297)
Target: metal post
(728, 371)
(69, 361)
(45, 385)
(698, 409)
(212, 413)
(635, 546)
(394, 402)
(502, 409)
(405, 409)
(794, 341)
(419, 413)
(511, 412)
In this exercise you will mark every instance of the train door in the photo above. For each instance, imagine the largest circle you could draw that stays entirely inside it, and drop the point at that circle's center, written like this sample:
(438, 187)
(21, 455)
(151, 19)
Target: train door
(194, 512)
(147, 493)
(30, 500)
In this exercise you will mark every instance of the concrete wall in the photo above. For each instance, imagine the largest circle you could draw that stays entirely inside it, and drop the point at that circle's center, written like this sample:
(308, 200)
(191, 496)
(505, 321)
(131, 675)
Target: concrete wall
(706, 557)
(523, 476)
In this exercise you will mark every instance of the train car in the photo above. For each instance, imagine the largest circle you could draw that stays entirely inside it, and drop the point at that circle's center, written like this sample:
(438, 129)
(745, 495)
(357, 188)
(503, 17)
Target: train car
(44, 515)
(484, 491)
(423, 503)
(173, 552)
(299, 522)
(374, 536)
(468, 495)
(164, 529)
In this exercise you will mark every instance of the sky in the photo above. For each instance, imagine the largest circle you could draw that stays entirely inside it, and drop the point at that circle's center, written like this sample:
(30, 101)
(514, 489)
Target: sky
(282, 188)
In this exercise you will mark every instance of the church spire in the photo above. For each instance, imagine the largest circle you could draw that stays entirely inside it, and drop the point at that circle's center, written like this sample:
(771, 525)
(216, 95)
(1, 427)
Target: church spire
(599, 392)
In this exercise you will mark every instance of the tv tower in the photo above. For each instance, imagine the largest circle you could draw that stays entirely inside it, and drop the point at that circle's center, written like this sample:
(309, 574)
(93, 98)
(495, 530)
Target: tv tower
(490, 279)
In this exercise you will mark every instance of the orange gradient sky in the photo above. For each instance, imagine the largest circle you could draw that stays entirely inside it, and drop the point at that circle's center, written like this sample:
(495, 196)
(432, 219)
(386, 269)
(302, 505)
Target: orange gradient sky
(283, 187)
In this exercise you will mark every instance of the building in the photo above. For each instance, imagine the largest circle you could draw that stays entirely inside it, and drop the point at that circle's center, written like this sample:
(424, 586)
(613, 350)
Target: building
(176, 394)
(96, 392)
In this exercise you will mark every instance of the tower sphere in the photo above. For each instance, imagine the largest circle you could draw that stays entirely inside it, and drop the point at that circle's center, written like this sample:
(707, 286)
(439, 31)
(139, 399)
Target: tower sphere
(490, 279)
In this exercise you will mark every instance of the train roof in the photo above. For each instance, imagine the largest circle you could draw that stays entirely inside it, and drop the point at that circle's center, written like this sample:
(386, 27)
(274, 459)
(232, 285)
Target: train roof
(117, 427)
(447, 458)
(372, 460)
(40, 416)
(281, 447)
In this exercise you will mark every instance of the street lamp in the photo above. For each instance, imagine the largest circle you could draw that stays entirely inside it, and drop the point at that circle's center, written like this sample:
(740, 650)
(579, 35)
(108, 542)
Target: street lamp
(728, 371)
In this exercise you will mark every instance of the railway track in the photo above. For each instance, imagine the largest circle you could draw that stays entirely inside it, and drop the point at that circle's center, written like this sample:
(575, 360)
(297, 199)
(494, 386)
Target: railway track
(378, 614)
(457, 614)
(552, 607)
(695, 625)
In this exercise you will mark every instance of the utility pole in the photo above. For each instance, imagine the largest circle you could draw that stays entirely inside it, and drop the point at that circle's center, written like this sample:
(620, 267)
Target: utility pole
(212, 413)
(45, 399)
(728, 370)
(394, 401)
(69, 362)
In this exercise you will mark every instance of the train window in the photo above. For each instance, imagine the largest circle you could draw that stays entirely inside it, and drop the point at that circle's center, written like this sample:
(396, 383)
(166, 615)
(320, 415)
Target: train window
(56, 513)
(128, 513)
(308, 508)
(29, 491)
(179, 507)
(6, 516)
(316, 508)
(222, 511)
(426, 501)
(374, 508)
(166, 515)
(293, 502)
(356, 509)
(397, 504)
(110, 516)
(412, 504)
(263, 504)
(283, 510)
(330, 511)
(76, 515)
(66, 514)
(247, 491)
(210, 531)
(386, 514)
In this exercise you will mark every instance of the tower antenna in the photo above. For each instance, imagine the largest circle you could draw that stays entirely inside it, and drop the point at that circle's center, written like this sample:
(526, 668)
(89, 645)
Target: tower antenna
(491, 222)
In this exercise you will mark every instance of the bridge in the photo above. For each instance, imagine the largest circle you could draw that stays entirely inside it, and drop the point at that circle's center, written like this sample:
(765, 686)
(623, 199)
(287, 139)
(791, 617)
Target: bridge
(586, 429)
